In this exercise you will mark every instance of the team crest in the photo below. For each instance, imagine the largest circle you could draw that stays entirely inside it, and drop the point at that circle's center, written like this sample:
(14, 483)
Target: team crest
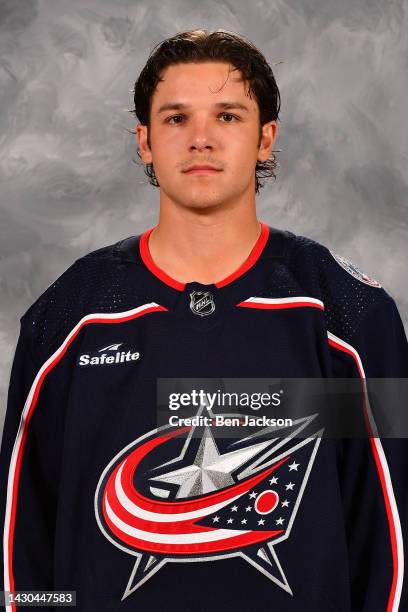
(354, 271)
(202, 303)
(174, 497)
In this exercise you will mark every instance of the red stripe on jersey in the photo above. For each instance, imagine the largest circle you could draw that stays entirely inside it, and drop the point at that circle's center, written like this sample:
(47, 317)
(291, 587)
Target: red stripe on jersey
(279, 305)
(349, 350)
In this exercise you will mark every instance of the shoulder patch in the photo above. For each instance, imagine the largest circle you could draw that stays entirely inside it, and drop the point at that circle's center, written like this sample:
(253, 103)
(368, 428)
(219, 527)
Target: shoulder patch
(355, 271)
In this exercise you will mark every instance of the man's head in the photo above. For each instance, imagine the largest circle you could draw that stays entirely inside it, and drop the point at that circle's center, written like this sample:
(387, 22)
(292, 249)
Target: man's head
(207, 98)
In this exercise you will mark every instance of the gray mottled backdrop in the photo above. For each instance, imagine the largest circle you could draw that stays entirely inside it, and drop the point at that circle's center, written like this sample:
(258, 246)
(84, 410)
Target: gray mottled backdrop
(68, 183)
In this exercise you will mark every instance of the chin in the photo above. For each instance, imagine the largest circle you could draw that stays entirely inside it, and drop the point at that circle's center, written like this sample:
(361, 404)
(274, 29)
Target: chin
(199, 199)
(204, 203)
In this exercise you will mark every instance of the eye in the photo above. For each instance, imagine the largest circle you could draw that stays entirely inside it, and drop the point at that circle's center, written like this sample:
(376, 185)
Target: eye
(229, 115)
(169, 120)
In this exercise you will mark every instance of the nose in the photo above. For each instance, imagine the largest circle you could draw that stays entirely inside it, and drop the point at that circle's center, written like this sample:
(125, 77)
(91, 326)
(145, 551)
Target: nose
(200, 146)
(201, 138)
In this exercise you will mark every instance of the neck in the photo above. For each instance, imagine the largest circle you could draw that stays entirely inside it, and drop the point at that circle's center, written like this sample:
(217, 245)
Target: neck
(203, 247)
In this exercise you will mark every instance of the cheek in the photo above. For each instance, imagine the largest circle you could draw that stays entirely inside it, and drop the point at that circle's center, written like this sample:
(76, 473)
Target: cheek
(243, 144)
(243, 159)
(168, 151)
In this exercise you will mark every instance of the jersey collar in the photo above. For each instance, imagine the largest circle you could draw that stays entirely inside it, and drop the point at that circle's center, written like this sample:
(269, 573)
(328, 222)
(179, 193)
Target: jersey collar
(248, 280)
(168, 280)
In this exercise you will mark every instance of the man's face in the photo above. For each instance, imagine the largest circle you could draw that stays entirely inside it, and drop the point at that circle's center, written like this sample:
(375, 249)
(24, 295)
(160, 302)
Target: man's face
(201, 114)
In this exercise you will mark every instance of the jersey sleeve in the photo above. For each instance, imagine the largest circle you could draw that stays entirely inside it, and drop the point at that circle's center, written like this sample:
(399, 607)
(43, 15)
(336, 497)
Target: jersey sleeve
(29, 469)
(37, 417)
(374, 474)
(27, 506)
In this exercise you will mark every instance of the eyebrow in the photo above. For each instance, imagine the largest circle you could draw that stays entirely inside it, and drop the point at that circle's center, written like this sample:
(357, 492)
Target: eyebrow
(181, 106)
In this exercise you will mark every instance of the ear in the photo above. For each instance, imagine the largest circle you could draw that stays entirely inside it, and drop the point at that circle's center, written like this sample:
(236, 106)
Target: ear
(268, 137)
(145, 152)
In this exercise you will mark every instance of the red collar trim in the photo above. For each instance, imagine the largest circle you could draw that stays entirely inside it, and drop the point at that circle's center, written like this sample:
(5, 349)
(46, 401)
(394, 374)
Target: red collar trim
(165, 278)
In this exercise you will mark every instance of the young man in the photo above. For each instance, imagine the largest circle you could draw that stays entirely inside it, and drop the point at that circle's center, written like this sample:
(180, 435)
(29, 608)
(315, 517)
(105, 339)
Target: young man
(100, 498)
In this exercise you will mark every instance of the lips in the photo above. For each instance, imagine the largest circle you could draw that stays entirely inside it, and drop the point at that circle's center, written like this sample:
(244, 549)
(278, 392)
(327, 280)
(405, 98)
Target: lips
(202, 169)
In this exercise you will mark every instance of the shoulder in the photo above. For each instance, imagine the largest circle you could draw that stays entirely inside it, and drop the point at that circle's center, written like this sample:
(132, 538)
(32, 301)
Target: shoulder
(79, 277)
(95, 282)
(328, 261)
(347, 292)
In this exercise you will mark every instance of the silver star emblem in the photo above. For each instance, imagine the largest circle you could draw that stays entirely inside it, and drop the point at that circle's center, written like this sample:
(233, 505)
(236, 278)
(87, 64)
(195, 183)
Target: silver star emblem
(210, 471)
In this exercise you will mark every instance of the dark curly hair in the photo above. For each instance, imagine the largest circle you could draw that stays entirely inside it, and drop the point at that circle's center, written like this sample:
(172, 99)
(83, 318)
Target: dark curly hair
(203, 46)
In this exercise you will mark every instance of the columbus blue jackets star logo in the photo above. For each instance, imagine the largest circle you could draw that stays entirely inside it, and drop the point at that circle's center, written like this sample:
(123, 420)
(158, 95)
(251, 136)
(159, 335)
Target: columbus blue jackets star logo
(180, 495)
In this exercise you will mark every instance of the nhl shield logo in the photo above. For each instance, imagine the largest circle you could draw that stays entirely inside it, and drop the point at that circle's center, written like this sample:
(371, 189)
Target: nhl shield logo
(202, 303)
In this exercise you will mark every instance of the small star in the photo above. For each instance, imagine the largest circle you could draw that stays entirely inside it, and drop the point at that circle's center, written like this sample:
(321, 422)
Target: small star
(290, 486)
(230, 520)
(234, 508)
(253, 494)
(261, 522)
(279, 521)
(248, 508)
(273, 480)
(285, 503)
(216, 519)
(243, 521)
(293, 466)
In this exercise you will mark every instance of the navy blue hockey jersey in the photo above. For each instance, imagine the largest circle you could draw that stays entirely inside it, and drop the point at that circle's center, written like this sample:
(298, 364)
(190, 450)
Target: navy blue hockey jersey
(97, 498)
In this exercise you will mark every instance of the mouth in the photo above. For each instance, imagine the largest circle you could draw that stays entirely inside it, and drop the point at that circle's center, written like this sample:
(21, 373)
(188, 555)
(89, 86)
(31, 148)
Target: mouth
(202, 170)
